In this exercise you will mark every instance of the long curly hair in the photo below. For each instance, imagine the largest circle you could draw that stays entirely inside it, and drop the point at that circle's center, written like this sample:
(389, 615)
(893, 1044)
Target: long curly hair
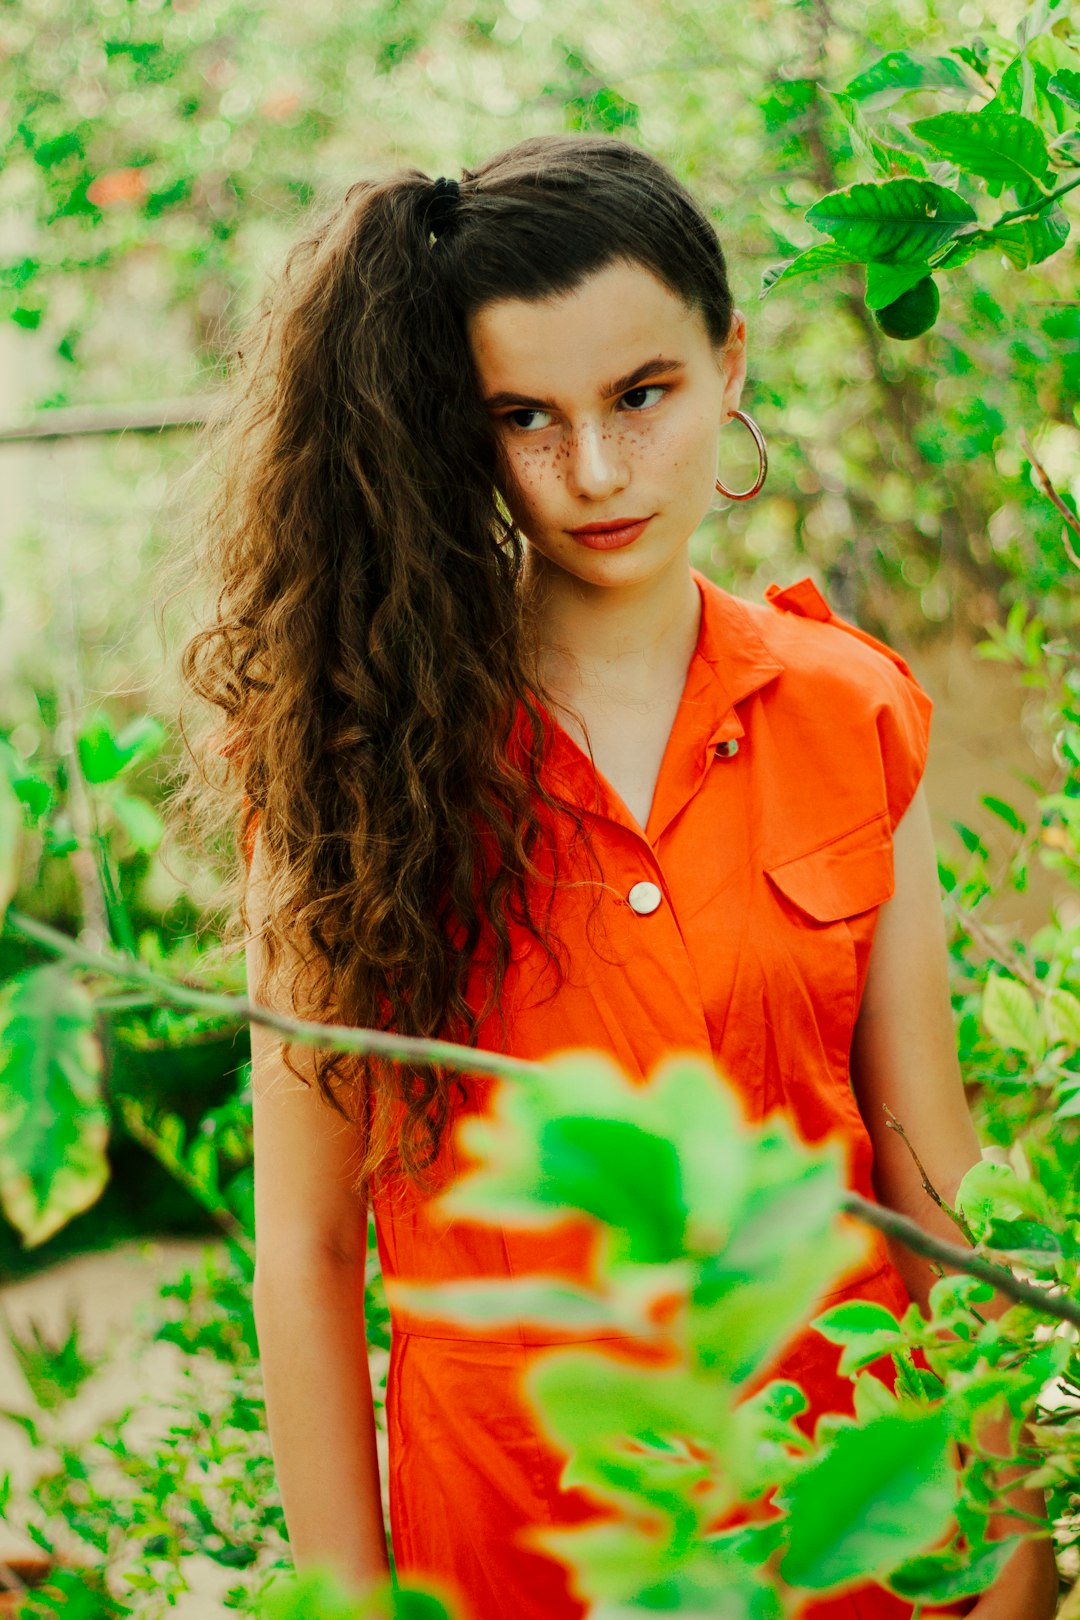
(369, 653)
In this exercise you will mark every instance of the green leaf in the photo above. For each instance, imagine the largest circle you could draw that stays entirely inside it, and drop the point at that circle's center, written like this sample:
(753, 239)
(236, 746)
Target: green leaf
(505, 1301)
(412, 1604)
(879, 1494)
(952, 1297)
(103, 756)
(875, 154)
(615, 1560)
(853, 1320)
(971, 840)
(11, 824)
(140, 821)
(865, 1329)
(626, 1177)
(901, 221)
(1010, 1015)
(872, 1398)
(1024, 1237)
(1025, 242)
(1069, 1107)
(1063, 1017)
(940, 1577)
(588, 1399)
(823, 256)
(1066, 84)
(1004, 812)
(900, 71)
(990, 1191)
(53, 1121)
(785, 1251)
(1001, 147)
(886, 282)
(713, 1145)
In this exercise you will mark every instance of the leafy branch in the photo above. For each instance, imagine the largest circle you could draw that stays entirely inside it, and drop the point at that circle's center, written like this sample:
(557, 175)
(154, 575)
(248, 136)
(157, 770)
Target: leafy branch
(341, 1037)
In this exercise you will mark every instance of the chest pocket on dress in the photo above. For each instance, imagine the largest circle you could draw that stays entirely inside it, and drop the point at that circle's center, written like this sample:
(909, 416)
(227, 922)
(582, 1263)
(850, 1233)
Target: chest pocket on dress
(848, 874)
(822, 904)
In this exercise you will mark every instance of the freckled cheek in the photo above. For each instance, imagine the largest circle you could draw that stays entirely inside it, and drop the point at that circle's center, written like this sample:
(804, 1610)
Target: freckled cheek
(668, 449)
(529, 474)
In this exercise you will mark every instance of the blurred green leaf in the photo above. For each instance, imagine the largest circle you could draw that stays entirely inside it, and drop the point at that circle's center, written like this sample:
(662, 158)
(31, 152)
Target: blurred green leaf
(1063, 1017)
(1004, 811)
(876, 154)
(140, 821)
(11, 824)
(898, 72)
(942, 1577)
(626, 1177)
(55, 1370)
(879, 1494)
(104, 756)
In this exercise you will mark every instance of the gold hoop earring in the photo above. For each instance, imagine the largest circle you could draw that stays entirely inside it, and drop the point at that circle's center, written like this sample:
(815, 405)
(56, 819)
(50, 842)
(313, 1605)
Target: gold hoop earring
(763, 462)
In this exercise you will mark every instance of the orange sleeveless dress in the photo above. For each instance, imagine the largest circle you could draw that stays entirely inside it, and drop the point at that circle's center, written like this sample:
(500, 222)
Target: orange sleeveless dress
(798, 744)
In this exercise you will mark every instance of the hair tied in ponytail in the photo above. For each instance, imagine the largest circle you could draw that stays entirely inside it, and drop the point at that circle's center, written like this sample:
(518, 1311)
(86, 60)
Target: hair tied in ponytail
(442, 205)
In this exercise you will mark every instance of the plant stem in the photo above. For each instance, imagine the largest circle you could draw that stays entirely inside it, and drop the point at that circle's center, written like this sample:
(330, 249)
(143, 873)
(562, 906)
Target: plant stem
(914, 1237)
(1051, 493)
(333, 1037)
(1035, 208)
(414, 1049)
(928, 1186)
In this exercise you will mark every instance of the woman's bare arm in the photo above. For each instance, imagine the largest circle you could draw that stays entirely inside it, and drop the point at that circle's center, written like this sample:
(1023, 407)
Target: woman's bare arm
(311, 1249)
(903, 1057)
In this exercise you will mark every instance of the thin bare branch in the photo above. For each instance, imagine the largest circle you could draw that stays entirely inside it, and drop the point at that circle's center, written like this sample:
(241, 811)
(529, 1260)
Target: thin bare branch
(1071, 519)
(928, 1186)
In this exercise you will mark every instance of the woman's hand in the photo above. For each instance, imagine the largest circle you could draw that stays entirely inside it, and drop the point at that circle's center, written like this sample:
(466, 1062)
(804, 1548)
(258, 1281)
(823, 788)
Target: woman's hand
(1026, 1589)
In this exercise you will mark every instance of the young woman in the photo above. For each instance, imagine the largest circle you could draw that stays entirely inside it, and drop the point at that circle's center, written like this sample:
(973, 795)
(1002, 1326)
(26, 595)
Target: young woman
(517, 774)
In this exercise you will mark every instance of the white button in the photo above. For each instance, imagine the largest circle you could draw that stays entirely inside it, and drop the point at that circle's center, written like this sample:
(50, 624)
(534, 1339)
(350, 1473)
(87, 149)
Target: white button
(725, 750)
(644, 897)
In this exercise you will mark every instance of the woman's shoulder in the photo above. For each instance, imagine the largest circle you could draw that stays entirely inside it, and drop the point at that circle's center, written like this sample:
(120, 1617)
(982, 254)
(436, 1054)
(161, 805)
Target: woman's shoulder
(844, 708)
(819, 657)
(810, 639)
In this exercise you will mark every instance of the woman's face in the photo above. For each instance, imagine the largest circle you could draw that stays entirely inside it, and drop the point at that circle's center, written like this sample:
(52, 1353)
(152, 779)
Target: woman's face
(606, 403)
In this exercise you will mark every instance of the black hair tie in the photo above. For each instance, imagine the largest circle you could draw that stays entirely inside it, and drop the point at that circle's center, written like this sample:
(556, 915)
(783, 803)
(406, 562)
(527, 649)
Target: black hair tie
(442, 205)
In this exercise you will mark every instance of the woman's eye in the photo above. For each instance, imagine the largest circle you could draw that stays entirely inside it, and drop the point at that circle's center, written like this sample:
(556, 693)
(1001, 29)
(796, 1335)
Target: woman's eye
(637, 393)
(513, 417)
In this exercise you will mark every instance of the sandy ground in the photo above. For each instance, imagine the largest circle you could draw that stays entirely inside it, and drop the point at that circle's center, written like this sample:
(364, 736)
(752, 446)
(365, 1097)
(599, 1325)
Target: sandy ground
(113, 1292)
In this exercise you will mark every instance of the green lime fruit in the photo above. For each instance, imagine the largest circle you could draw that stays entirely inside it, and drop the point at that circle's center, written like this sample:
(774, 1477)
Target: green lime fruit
(913, 313)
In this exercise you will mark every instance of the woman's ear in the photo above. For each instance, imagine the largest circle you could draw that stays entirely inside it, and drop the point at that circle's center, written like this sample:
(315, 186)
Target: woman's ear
(732, 363)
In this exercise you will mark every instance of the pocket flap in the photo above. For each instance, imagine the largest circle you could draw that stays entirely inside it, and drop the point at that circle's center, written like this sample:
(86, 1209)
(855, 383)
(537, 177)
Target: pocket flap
(842, 877)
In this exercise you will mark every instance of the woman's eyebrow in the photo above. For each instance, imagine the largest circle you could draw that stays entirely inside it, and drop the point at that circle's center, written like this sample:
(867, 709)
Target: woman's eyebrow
(621, 385)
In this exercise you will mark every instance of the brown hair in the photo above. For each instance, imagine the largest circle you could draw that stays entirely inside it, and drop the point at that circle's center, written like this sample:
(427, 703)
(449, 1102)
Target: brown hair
(369, 646)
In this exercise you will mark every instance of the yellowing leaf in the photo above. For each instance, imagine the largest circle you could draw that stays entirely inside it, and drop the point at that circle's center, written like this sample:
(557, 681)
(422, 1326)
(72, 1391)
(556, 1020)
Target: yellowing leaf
(1011, 1016)
(53, 1122)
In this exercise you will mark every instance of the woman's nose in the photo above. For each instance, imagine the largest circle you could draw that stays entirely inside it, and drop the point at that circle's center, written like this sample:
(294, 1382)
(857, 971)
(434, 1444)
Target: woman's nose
(597, 464)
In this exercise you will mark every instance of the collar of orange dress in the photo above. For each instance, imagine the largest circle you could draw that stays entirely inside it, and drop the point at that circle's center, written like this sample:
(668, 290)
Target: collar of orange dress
(731, 662)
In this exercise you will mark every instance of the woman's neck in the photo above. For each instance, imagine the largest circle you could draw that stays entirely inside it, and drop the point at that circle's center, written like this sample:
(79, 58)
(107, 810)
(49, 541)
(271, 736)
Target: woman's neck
(613, 644)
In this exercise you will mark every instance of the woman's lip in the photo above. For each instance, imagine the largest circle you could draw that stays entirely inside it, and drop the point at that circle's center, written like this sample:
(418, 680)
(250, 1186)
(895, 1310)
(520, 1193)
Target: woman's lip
(612, 538)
